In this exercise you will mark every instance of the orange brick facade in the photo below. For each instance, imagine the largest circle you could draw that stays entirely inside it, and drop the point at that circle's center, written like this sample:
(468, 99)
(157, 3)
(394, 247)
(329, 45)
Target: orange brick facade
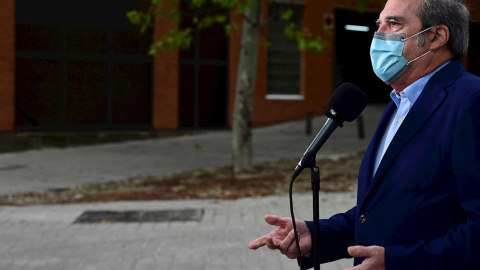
(166, 85)
(7, 65)
(316, 72)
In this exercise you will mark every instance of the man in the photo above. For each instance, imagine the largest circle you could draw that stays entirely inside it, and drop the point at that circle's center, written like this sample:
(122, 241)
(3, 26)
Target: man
(418, 202)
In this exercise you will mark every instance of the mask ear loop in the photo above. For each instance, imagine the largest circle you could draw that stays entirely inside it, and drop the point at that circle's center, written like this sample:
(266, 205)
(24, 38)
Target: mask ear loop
(409, 62)
(425, 30)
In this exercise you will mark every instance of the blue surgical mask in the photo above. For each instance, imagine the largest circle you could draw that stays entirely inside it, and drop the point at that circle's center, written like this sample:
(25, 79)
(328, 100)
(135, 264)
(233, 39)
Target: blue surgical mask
(386, 54)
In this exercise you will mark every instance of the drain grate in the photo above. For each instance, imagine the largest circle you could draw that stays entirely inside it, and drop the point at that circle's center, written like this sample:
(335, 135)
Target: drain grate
(6, 167)
(140, 216)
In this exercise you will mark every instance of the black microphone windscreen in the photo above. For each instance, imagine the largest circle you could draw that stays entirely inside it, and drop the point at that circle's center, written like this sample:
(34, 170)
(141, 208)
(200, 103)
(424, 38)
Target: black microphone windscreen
(348, 101)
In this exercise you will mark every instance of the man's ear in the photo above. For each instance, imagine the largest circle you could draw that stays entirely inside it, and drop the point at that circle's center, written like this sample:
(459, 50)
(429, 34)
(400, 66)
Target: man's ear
(440, 37)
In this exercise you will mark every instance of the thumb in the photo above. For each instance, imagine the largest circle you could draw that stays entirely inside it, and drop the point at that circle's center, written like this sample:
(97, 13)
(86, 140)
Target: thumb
(275, 220)
(358, 251)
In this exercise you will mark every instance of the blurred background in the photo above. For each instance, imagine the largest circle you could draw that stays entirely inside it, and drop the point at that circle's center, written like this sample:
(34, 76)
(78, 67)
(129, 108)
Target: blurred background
(81, 66)
(78, 73)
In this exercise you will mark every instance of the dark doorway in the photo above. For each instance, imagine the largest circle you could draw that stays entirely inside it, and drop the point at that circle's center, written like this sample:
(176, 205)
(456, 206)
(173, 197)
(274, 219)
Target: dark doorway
(474, 53)
(203, 74)
(353, 36)
(81, 66)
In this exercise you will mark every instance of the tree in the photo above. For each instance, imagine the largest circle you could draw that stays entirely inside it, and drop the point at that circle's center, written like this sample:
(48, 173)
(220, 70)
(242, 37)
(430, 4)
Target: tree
(213, 12)
(245, 87)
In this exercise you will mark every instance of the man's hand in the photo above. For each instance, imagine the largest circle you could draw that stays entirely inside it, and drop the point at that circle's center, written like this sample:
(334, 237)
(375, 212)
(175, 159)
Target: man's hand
(375, 257)
(283, 237)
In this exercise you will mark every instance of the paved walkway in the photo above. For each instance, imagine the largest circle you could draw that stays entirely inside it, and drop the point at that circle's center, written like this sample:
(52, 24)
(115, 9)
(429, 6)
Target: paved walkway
(45, 237)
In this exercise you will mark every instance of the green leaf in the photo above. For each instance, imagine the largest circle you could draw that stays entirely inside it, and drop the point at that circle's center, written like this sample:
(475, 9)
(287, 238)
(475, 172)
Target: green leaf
(302, 44)
(175, 15)
(289, 31)
(138, 18)
(287, 14)
(197, 3)
(305, 41)
(242, 7)
(228, 29)
(205, 22)
(157, 3)
(148, 22)
(174, 39)
(227, 4)
(221, 18)
(362, 6)
(267, 43)
(134, 17)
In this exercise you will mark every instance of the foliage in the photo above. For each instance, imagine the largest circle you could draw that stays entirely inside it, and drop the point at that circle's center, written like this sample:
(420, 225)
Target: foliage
(204, 14)
(172, 40)
(362, 4)
(305, 39)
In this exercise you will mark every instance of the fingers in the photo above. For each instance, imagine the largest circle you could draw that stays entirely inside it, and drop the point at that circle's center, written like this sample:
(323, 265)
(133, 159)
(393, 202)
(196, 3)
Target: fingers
(374, 257)
(276, 220)
(266, 239)
(361, 251)
(289, 246)
(259, 242)
(287, 242)
(358, 251)
(283, 237)
(271, 240)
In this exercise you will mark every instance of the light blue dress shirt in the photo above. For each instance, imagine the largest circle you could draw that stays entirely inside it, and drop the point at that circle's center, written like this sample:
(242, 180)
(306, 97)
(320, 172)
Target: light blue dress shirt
(404, 102)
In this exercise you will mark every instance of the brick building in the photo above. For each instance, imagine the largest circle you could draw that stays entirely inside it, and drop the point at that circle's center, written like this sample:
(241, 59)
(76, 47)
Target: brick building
(80, 66)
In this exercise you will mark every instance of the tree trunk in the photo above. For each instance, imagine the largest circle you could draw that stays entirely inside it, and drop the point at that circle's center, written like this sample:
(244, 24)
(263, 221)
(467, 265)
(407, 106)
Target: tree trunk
(245, 87)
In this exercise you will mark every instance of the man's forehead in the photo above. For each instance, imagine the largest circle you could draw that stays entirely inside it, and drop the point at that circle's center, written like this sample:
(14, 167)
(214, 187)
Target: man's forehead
(399, 10)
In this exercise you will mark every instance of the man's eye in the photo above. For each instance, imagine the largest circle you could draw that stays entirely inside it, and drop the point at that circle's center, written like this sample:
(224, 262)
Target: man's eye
(393, 23)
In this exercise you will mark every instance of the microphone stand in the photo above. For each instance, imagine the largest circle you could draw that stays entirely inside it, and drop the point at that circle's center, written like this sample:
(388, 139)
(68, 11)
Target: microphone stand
(315, 179)
(308, 161)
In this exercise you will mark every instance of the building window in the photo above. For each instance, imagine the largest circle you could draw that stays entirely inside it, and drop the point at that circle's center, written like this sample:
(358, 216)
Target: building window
(203, 93)
(284, 66)
(81, 66)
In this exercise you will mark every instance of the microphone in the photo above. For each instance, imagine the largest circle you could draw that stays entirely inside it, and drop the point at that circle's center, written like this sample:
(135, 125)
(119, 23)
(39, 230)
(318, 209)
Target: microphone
(346, 103)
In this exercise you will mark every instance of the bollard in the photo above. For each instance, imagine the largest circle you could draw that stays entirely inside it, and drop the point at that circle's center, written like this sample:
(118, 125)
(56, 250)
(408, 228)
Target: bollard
(308, 124)
(361, 133)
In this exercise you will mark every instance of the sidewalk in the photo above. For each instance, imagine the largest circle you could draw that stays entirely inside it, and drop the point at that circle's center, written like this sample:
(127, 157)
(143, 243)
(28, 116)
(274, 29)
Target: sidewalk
(45, 237)
(58, 168)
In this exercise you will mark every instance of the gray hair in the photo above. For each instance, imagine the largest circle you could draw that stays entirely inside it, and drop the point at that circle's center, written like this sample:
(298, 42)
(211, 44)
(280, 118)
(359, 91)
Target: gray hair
(452, 13)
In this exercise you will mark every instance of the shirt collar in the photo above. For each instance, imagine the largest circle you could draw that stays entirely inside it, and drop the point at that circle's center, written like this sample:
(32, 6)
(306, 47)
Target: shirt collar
(413, 90)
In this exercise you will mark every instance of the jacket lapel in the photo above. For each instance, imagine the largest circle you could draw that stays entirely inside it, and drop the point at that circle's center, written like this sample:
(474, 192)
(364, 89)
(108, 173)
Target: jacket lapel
(427, 103)
(366, 168)
(423, 108)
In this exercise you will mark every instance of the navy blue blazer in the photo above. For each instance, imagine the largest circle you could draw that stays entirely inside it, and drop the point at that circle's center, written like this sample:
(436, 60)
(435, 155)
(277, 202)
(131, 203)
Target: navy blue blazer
(423, 203)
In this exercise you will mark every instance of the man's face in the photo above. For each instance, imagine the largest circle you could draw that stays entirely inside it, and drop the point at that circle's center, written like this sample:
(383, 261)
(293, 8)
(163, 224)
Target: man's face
(399, 17)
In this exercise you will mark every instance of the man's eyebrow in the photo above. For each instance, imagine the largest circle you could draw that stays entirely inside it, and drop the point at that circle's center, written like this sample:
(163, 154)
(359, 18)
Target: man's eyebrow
(390, 18)
(394, 18)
